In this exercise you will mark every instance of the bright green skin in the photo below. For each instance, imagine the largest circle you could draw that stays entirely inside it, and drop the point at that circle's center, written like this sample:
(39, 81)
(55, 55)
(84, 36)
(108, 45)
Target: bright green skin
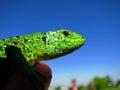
(44, 46)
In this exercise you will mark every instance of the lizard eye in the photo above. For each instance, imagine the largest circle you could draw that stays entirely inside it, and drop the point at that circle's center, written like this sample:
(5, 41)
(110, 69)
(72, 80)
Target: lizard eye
(44, 39)
(66, 33)
(17, 36)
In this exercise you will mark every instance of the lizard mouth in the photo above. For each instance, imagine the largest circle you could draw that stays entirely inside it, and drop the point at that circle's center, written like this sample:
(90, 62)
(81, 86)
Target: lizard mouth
(67, 51)
(56, 55)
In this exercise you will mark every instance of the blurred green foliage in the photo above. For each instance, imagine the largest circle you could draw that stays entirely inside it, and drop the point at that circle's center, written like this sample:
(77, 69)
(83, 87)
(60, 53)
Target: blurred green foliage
(118, 84)
(99, 83)
(82, 87)
(58, 88)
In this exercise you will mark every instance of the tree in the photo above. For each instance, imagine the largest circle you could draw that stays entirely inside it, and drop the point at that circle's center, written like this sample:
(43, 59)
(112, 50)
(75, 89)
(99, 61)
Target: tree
(100, 83)
(109, 80)
(58, 88)
(118, 83)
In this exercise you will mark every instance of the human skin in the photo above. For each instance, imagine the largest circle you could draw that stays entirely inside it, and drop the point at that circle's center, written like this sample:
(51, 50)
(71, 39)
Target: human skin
(17, 81)
(15, 76)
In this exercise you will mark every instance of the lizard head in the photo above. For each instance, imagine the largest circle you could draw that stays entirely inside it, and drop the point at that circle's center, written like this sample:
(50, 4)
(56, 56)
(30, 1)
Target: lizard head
(61, 42)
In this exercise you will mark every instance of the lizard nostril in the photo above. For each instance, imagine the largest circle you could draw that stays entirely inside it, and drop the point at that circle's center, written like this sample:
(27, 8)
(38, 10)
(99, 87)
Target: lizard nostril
(83, 37)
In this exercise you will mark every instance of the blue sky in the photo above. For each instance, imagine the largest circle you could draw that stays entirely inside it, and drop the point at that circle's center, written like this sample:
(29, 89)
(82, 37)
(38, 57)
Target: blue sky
(97, 20)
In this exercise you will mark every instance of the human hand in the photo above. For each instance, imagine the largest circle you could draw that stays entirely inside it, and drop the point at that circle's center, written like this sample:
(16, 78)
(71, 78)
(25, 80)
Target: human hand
(13, 77)
(17, 80)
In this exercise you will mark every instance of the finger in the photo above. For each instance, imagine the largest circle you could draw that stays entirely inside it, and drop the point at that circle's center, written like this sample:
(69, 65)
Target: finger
(46, 71)
(13, 53)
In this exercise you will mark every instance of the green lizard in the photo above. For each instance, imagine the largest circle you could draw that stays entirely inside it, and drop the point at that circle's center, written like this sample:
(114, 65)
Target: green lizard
(21, 50)
(44, 46)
